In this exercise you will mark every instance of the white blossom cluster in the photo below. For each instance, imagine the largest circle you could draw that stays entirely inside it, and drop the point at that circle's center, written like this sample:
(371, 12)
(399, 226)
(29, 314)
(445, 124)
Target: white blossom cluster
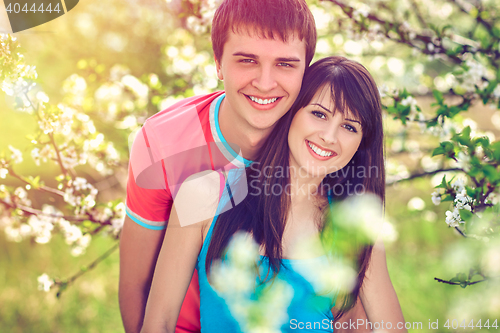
(461, 201)
(115, 214)
(235, 279)
(472, 76)
(16, 77)
(74, 88)
(81, 195)
(123, 94)
(40, 227)
(82, 144)
(199, 25)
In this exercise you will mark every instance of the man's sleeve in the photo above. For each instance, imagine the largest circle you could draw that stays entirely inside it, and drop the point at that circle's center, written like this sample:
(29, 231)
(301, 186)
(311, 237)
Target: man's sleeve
(148, 198)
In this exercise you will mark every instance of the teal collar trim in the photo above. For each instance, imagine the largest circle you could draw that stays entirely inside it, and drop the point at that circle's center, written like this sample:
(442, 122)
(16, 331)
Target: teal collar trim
(221, 137)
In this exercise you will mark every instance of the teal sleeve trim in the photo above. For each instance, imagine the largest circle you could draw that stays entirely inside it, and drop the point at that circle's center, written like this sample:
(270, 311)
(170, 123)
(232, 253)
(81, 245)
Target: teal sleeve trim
(145, 225)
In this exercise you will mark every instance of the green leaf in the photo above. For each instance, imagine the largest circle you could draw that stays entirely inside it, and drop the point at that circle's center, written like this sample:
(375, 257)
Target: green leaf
(490, 172)
(443, 184)
(465, 215)
(438, 151)
(495, 147)
(438, 96)
(447, 198)
(446, 148)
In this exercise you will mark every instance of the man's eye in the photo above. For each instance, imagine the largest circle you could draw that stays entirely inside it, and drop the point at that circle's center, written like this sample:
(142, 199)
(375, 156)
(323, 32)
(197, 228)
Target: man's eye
(319, 114)
(247, 60)
(285, 64)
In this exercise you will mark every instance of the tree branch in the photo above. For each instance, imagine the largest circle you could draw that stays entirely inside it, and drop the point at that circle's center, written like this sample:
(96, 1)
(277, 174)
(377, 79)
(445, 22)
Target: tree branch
(424, 174)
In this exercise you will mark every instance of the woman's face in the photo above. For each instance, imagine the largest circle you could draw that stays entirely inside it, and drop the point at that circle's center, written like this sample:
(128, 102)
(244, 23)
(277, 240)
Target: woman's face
(322, 140)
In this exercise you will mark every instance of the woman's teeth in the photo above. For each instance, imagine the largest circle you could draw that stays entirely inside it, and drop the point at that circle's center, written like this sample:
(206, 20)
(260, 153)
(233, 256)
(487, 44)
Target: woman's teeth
(263, 101)
(319, 151)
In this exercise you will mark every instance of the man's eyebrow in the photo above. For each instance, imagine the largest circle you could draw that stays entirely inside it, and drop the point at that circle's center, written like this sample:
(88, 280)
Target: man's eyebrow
(292, 59)
(254, 56)
(247, 55)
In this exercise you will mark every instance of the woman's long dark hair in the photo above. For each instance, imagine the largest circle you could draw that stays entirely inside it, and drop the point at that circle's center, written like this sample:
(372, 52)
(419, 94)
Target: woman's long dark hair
(264, 214)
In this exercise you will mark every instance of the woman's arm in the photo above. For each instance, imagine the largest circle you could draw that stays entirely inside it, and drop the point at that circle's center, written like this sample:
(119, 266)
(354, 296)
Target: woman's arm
(378, 296)
(197, 198)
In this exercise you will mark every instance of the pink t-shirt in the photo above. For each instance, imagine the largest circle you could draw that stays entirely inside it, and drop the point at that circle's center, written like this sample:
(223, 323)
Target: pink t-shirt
(175, 143)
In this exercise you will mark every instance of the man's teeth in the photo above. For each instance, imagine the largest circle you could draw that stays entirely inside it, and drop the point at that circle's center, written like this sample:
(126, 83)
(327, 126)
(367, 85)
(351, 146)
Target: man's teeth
(319, 151)
(263, 101)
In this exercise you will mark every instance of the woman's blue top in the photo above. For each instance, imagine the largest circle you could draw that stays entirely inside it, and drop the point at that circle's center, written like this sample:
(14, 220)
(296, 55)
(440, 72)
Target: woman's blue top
(308, 310)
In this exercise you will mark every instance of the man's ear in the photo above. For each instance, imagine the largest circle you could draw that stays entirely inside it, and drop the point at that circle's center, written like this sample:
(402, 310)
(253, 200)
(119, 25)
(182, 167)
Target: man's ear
(219, 69)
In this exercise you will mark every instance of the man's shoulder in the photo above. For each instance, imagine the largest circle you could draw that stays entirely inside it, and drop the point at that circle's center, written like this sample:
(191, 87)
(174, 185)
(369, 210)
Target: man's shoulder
(201, 102)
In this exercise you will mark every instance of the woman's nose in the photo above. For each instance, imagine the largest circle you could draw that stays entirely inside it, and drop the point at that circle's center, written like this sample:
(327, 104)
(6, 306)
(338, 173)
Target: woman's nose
(329, 134)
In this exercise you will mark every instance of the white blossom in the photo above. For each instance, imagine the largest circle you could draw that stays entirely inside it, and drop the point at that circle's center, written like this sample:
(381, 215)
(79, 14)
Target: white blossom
(16, 156)
(458, 185)
(45, 282)
(3, 173)
(81, 242)
(453, 218)
(463, 201)
(463, 161)
(436, 198)
(41, 228)
(72, 234)
(13, 234)
(22, 195)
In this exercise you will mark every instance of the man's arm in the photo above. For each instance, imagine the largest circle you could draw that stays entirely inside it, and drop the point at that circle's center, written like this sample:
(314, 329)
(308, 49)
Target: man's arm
(139, 248)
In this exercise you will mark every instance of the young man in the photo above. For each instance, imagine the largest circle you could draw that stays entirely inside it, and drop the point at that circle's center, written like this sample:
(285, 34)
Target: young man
(261, 50)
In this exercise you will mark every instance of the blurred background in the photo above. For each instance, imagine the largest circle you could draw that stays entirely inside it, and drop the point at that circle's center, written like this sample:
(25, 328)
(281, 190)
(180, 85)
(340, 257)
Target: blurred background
(121, 61)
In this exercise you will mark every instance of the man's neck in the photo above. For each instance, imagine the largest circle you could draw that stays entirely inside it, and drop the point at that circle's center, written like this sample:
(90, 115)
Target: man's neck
(235, 130)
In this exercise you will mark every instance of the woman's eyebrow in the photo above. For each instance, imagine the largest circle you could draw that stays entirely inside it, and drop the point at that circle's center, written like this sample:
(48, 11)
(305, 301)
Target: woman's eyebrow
(321, 106)
(353, 120)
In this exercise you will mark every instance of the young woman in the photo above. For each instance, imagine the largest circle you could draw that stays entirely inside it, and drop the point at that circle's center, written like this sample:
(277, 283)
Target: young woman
(335, 123)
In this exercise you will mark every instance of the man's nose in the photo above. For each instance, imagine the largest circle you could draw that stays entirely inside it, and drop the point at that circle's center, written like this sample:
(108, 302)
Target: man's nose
(265, 80)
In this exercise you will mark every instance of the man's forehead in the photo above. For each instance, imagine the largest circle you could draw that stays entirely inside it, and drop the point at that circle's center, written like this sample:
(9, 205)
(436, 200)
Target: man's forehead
(265, 33)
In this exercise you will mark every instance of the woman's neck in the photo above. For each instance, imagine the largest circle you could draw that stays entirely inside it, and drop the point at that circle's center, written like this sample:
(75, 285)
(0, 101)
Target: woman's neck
(304, 187)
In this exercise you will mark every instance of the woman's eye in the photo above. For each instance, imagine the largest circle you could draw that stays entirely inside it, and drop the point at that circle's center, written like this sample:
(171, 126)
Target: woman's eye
(319, 114)
(351, 128)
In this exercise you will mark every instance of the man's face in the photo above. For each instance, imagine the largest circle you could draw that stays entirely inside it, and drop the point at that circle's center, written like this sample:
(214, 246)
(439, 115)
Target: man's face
(262, 77)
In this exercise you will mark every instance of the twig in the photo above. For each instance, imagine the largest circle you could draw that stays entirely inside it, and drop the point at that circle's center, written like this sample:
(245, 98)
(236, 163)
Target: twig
(33, 211)
(65, 283)
(42, 187)
(458, 283)
(58, 154)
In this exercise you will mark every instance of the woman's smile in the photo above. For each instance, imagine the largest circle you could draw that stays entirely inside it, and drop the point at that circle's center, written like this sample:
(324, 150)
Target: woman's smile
(320, 152)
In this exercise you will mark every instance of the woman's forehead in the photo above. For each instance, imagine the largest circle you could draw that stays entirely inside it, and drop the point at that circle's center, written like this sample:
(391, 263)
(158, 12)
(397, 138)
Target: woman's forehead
(325, 96)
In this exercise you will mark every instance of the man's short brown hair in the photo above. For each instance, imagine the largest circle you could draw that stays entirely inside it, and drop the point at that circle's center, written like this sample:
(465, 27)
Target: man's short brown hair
(267, 18)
